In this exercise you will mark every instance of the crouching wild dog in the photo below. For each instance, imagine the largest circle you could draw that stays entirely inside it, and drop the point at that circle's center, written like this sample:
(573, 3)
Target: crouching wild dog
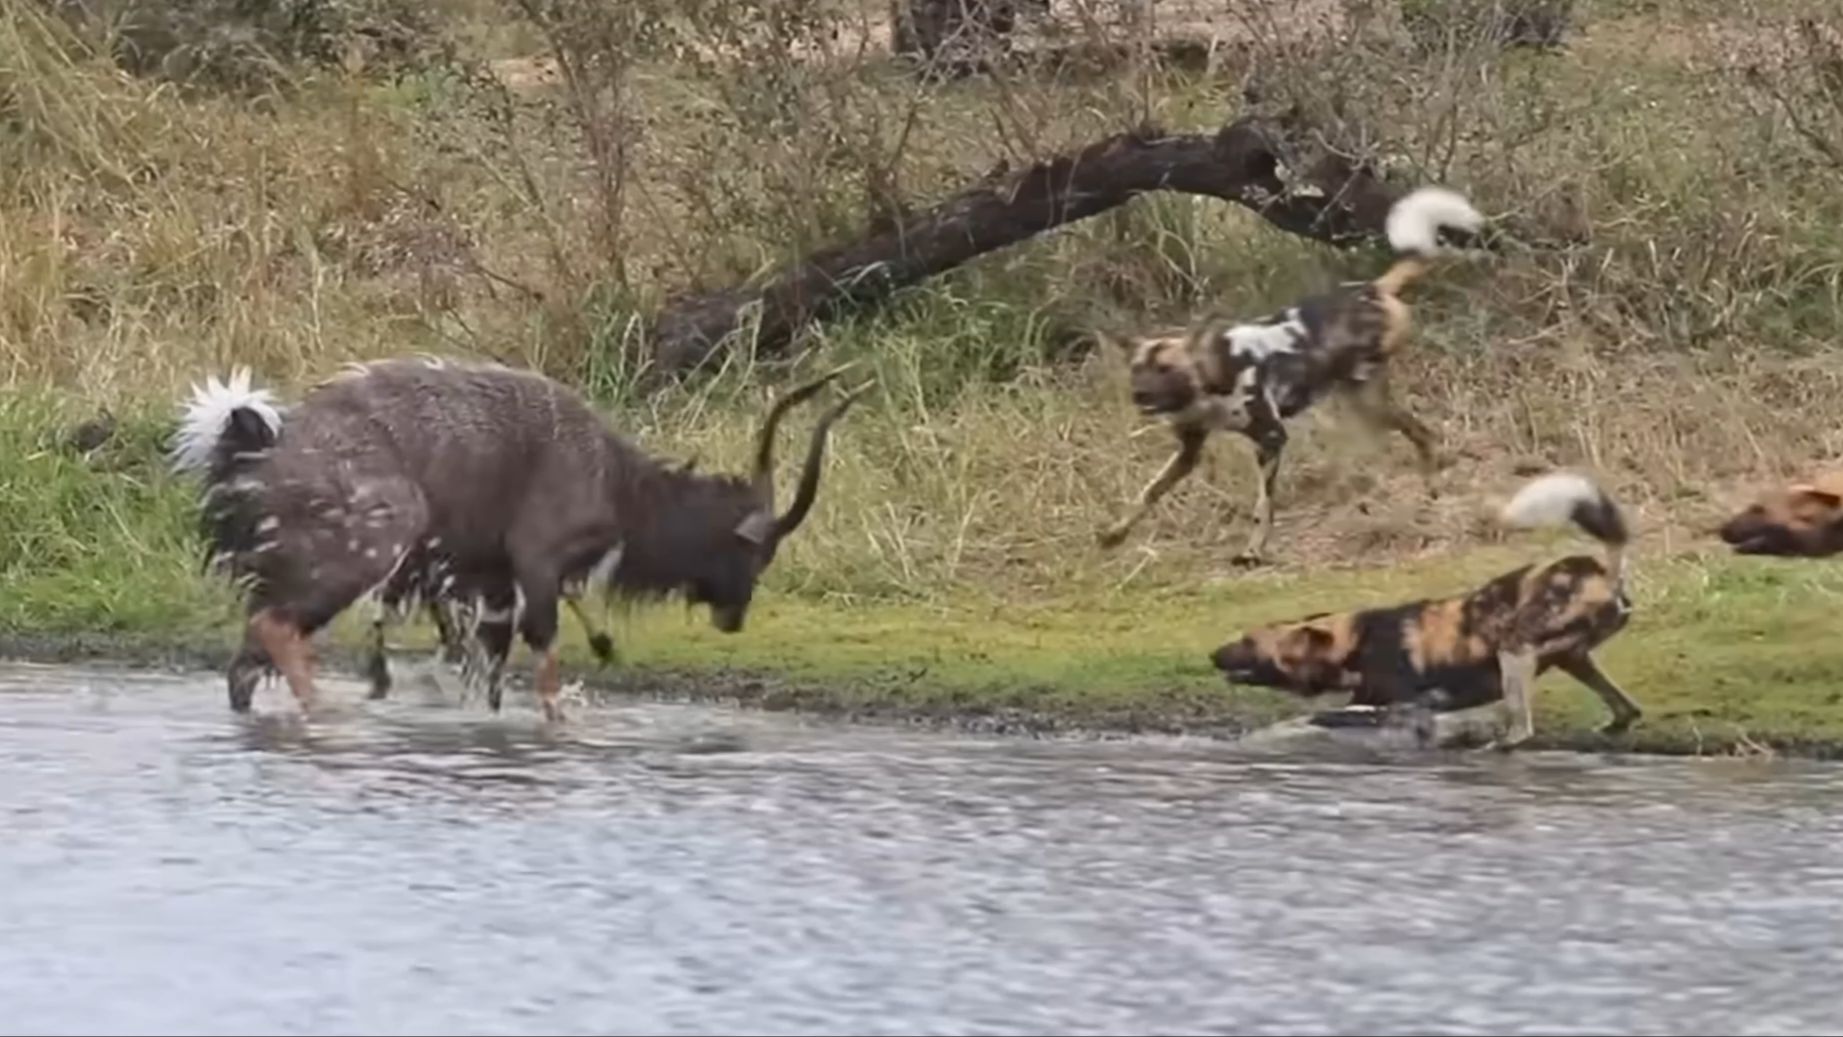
(1489, 644)
(506, 477)
(1251, 376)
(1802, 520)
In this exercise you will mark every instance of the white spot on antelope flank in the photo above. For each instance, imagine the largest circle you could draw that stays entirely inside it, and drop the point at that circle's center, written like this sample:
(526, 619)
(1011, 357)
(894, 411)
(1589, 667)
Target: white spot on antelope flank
(268, 525)
(371, 552)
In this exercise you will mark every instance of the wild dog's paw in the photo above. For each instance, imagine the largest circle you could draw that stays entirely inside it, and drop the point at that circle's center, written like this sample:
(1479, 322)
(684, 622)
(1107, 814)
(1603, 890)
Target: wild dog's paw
(1617, 726)
(1111, 537)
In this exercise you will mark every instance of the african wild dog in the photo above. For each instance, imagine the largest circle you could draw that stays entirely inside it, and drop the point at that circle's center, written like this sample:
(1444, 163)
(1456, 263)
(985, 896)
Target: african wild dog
(1486, 645)
(1249, 377)
(473, 617)
(508, 476)
(1801, 520)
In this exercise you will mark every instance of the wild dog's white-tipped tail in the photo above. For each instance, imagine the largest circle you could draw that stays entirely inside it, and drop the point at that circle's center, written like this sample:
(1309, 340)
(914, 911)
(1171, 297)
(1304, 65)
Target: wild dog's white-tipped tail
(210, 414)
(1570, 497)
(1415, 221)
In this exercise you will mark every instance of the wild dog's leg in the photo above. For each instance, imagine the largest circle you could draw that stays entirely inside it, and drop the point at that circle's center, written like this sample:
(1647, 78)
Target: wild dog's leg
(286, 645)
(246, 669)
(1189, 449)
(1375, 403)
(447, 632)
(1518, 671)
(1582, 668)
(377, 667)
(599, 641)
(1269, 436)
(494, 634)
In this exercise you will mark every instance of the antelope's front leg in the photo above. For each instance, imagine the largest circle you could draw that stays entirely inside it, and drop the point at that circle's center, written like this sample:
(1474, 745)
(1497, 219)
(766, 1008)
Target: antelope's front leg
(1269, 444)
(599, 641)
(286, 646)
(539, 626)
(1189, 449)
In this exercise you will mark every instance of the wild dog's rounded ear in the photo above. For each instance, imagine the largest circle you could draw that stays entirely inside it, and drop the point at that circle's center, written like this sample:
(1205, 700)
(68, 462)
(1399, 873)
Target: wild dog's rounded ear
(1122, 344)
(1823, 498)
(757, 527)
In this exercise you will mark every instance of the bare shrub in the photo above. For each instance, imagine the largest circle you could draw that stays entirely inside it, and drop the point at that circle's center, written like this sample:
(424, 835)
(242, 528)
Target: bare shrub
(249, 45)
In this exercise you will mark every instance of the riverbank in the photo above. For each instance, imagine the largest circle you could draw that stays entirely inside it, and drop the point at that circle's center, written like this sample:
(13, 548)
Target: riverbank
(1726, 656)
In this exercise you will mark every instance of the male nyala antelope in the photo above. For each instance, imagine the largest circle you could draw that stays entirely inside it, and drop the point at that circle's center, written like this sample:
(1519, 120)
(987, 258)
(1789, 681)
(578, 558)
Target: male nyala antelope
(1801, 520)
(1489, 644)
(505, 477)
(1251, 376)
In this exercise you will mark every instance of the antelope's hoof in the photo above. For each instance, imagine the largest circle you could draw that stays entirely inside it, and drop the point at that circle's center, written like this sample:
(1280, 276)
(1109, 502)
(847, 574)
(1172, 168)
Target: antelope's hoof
(603, 647)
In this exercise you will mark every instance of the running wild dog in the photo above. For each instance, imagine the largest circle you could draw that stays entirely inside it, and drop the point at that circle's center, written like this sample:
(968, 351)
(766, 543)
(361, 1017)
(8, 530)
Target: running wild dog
(1802, 520)
(1486, 645)
(1251, 376)
(505, 477)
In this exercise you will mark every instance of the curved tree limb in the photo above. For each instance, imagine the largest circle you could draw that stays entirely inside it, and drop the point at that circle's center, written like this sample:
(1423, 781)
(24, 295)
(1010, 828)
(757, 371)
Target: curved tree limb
(1328, 199)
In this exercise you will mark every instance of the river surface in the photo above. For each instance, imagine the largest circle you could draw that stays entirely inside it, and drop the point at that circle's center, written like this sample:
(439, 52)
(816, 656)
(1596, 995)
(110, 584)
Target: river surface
(417, 866)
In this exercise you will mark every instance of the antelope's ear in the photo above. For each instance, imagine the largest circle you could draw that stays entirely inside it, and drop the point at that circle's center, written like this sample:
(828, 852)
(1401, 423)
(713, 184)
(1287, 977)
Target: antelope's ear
(756, 528)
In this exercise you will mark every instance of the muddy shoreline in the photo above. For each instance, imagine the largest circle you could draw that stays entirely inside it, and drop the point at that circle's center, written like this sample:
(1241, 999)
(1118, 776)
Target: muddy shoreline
(1186, 712)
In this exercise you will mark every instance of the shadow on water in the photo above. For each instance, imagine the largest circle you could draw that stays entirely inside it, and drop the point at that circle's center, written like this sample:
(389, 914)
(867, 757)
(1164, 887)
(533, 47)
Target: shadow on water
(418, 865)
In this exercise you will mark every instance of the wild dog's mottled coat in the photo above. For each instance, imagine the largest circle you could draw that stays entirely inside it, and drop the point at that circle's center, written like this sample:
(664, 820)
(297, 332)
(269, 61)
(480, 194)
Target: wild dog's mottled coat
(1800, 520)
(1488, 644)
(1250, 377)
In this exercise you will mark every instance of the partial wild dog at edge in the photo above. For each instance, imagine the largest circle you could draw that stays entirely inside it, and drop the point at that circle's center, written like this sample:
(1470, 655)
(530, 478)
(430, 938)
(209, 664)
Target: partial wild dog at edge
(1803, 520)
(1251, 376)
(1489, 644)
(505, 476)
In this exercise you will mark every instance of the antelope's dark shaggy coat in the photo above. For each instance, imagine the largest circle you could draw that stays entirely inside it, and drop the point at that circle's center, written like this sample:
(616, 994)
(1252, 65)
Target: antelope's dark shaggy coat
(1251, 376)
(504, 479)
(1469, 650)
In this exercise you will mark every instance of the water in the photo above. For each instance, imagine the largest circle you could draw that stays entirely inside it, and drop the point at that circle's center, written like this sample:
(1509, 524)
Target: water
(419, 867)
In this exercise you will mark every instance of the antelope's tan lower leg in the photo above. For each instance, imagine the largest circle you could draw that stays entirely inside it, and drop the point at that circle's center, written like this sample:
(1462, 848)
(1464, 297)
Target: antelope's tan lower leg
(549, 683)
(289, 651)
(1181, 464)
